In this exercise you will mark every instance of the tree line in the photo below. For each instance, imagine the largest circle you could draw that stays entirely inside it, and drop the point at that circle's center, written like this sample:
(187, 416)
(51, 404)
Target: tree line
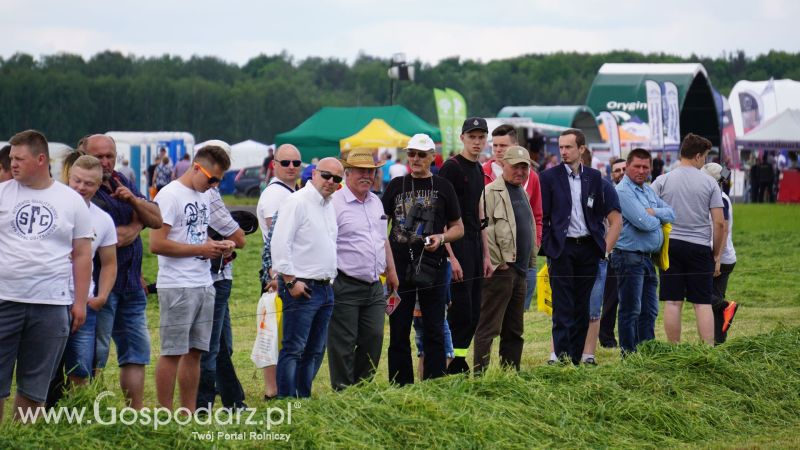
(67, 97)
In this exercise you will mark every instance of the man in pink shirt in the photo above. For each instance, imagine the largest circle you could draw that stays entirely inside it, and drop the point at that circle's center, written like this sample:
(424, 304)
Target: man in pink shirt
(355, 332)
(504, 137)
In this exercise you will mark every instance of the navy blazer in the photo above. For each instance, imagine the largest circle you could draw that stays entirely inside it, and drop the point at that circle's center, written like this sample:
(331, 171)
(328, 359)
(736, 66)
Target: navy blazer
(557, 207)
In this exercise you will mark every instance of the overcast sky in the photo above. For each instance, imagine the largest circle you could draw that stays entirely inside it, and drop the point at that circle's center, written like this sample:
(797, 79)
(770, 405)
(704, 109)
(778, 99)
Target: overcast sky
(429, 30)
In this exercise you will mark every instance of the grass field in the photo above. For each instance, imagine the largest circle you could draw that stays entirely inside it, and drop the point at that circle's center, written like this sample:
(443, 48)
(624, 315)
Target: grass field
(745, 393)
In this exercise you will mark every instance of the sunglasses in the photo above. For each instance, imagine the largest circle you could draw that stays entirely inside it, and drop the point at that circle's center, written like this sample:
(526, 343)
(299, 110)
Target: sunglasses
(211, 179)
(327, 176)
(286, 162)
(417, 153)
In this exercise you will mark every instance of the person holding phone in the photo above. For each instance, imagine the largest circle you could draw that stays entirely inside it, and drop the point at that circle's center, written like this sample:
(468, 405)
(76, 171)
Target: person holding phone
(304, 254)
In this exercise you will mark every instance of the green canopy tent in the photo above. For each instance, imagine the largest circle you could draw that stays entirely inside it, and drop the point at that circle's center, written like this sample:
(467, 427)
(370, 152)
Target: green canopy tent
(577, 116)
(320, 135)
(621, 90)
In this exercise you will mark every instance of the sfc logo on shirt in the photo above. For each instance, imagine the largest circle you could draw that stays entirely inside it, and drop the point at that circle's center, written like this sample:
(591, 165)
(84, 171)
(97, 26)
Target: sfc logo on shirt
(34, 220)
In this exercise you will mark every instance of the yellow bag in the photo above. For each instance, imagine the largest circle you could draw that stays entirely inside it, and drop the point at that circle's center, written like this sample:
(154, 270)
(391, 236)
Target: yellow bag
(544, 294)
(662, 260)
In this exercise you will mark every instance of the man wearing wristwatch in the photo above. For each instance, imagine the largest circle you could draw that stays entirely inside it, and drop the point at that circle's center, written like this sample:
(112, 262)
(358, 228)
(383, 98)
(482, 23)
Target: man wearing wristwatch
(304, 254)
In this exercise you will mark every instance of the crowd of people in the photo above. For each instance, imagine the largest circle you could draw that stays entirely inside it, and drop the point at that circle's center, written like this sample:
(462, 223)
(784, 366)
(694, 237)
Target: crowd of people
(457, 247)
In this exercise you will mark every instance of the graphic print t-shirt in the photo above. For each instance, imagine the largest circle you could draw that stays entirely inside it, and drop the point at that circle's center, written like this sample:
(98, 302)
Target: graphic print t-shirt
(435, 200)
(103, 234)
(37, 227)
(188, 213)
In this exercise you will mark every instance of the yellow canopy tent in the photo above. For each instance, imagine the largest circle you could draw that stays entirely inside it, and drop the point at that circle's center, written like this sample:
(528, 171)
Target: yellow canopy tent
(376, 134)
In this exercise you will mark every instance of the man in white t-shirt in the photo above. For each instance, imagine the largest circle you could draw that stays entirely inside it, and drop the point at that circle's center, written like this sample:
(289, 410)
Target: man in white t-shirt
(724, 310)
(45, 233)
(287, 164)
(185, 291)
(85, 177)
(287, 168)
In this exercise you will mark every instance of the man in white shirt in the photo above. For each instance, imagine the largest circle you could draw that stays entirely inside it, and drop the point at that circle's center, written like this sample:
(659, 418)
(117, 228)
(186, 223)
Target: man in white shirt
(85, 178)
(287, 164)
(304, 253)
(185, 291)
(287, 167)
(44, 242)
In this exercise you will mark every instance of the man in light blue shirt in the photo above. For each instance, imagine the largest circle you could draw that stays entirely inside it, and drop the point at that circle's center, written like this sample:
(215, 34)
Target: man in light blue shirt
(643, 214)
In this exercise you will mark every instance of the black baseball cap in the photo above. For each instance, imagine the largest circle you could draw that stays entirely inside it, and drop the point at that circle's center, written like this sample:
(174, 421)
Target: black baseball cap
(474, 123)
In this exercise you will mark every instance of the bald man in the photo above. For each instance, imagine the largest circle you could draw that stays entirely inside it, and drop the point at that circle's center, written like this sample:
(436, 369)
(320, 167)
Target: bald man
(123, 316)
(287, 169)
(304, 254)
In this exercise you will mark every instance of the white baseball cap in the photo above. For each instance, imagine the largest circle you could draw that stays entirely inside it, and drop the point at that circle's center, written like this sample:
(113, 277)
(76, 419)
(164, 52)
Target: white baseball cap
(421, 141)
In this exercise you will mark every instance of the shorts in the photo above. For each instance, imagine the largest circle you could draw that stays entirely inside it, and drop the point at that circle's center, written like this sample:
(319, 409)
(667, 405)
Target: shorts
(79, 353)
(32, 337)
(186, 319)
(690, 275)
(596, 297)
(448, 338)
(123, 318)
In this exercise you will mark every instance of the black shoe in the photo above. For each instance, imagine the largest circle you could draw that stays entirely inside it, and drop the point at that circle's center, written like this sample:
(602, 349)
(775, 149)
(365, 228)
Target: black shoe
(609, 344)
(589, 362)
(457, 366)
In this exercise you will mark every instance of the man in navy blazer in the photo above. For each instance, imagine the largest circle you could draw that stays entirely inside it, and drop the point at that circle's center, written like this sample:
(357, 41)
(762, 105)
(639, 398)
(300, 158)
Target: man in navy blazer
(574, 238)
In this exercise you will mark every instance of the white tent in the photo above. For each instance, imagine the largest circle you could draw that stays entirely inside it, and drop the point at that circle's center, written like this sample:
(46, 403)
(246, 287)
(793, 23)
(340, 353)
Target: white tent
(249, 153)
(781, 131)
(754, 102)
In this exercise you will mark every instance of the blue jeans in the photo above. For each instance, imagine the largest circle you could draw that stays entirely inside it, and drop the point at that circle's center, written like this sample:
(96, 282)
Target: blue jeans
(305, 330)
(638, 302)
(79, 353)
(123, 318)
(596, 297)
(531, 280)
(217, 374)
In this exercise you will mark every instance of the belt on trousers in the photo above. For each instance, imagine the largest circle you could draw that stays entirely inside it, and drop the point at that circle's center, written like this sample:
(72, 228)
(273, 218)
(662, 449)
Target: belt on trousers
(309, 282)
(580, 239)
(355, 280)
(636, 252)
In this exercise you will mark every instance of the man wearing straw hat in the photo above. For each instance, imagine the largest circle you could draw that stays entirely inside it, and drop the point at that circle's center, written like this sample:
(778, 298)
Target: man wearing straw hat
(355, 333)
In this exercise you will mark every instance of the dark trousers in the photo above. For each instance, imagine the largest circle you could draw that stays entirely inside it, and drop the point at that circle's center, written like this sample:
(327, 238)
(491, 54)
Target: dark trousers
(718, 302)
(431, 303)
(502, 310)
(465, 309)
(608, 320)
(355, 333)
(217, 374)
(572, 276)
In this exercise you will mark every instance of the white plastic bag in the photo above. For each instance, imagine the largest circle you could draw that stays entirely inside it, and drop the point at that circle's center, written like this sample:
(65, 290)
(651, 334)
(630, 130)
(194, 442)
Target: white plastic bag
(268, 321)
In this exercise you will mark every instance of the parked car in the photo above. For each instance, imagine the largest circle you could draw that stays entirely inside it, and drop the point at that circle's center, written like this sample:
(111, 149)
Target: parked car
(248, 182)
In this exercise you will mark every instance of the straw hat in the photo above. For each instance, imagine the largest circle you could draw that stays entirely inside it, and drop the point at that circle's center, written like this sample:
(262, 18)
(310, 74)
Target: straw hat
(362, 158)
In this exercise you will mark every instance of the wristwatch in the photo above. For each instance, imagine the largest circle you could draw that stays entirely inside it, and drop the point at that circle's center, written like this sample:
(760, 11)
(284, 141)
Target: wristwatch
(290, 284)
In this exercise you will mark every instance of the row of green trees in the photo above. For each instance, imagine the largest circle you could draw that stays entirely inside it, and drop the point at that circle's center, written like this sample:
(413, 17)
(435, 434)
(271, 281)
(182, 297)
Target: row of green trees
(66, 96)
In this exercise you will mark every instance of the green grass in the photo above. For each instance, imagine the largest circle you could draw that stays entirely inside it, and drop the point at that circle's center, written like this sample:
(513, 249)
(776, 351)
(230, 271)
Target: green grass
(745, 393)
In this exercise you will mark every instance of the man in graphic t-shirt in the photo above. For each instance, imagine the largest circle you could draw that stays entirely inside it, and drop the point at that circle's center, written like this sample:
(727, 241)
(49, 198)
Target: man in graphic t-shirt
(185, 291)
(420, 205)
(45, 233)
